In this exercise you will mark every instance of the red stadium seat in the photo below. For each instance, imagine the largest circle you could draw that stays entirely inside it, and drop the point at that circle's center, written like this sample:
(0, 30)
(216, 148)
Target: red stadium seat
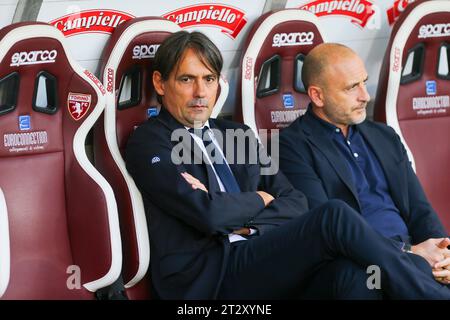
(131, 100)
(413, 95)
(5, 254)
(61, 237)
(271, 86)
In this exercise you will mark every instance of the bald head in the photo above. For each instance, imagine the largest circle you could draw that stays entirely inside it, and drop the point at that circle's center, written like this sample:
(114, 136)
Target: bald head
(335, 79)
(319, 59)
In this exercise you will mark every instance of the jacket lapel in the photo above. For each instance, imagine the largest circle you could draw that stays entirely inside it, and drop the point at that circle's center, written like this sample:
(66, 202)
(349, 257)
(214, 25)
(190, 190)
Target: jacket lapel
(387, 158)
(239, 171)
(316, 135)
(196, 154)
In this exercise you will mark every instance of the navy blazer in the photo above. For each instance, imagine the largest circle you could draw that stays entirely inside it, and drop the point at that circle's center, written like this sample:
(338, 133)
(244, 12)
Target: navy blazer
(188, 228)
(314, 165)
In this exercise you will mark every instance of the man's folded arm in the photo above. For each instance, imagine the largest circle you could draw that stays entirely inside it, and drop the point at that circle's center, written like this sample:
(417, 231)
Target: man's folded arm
(161, 181)
(300, 172)
(288, 202)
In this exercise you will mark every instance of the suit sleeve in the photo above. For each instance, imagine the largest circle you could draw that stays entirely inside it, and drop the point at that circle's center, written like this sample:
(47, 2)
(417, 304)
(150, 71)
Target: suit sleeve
(149, 162)
(288, 202)
(299, 169)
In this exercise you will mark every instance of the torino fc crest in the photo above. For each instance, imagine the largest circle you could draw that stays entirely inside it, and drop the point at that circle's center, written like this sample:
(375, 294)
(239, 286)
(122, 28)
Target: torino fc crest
(78, 104)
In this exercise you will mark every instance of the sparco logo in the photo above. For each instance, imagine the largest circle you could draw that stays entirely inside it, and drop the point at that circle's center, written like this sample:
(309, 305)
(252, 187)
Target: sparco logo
(396, 63)
(394, 12)
(358, 10)
(231, 20)
(142, 51)
(110, 80)
(293, 39)
(103, 21)
(33, 57)
(95, 80)
(248, 68)
(434, 30)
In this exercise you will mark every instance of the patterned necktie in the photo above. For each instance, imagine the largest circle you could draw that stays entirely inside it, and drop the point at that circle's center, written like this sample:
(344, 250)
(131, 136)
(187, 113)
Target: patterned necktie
(222, 169)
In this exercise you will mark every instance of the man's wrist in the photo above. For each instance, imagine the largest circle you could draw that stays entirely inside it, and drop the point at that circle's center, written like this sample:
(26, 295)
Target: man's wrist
(266, 197)
(406, 247)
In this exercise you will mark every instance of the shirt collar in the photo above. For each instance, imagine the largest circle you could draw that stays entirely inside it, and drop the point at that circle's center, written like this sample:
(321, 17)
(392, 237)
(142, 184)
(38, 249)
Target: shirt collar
(206, 124)
(330, 128)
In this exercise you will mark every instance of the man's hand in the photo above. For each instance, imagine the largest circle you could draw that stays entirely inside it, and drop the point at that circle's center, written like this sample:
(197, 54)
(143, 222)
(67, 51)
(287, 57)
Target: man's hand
(432, 250)
(438, 256)
(243, 231)
(441, 270)
(194, 182)
(267, 198)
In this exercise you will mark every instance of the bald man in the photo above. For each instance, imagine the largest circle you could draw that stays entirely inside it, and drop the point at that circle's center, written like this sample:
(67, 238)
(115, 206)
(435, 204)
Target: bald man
(223, 229)
(333, 152)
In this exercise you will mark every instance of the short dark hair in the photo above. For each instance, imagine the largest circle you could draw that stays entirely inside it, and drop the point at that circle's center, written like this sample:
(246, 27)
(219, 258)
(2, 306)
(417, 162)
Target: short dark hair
(173, 47)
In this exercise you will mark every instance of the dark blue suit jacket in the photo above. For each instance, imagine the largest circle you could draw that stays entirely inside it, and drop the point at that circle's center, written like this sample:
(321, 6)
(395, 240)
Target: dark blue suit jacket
(188, 228)
(314, 166)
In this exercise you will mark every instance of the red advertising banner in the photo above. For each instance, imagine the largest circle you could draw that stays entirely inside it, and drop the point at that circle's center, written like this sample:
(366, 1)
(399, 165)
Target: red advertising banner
(358, 10)
(103, 21)
(231, 20)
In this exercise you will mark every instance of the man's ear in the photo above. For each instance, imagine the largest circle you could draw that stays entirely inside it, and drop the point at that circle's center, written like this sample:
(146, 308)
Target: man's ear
(158, 83)
(315, 93)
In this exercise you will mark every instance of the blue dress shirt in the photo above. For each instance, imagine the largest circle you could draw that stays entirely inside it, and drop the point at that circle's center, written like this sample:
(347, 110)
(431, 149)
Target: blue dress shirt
(377, 206)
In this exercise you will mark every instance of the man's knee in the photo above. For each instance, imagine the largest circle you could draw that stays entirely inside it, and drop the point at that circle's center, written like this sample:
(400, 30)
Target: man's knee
(350, 282)
(341, 279)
